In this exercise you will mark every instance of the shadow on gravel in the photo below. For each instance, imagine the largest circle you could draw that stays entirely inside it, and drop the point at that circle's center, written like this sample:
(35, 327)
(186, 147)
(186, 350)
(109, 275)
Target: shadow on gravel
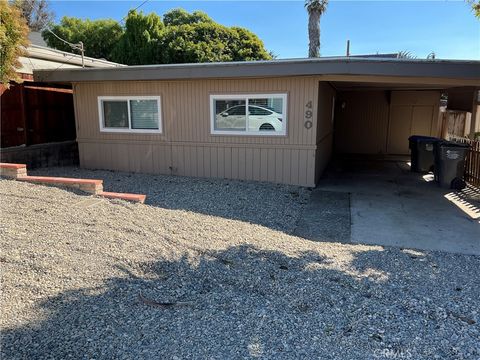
(245, 303)
(275, 206)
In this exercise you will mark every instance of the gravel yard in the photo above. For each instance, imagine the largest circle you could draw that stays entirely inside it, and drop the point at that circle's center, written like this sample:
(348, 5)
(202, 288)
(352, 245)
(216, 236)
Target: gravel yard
(209, 269)
(274, 206)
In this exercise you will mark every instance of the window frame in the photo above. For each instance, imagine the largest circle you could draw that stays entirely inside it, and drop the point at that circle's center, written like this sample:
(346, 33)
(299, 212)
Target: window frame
(247, 97)
(101, 119)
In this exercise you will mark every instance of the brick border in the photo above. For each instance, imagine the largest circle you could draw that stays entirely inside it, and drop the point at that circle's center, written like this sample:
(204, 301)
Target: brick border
(88, 185)
(13, 171)
(123, 196)
(91, 186)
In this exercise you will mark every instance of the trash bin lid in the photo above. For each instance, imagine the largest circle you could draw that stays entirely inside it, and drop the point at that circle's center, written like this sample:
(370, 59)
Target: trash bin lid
(452, 144)
(423, 138)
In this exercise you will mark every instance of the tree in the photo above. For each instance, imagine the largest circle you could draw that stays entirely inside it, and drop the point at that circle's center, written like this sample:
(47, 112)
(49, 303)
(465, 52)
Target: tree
(145, 39)
(195, 37)
(315, 9)
(247, 46)
(13, 39)
(405, 54)
(138, 44)
(35, 12)
(98, 36)
(184, 38)
(209, 42)
(475, 4)
(183, 17)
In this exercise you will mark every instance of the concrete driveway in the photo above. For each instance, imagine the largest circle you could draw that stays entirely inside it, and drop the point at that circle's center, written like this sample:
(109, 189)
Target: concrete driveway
(389, 205)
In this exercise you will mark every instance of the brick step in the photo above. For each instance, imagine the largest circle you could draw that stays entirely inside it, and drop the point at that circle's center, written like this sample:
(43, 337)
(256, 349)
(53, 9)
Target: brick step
(123, 196)
(13, 171)
(91, 186)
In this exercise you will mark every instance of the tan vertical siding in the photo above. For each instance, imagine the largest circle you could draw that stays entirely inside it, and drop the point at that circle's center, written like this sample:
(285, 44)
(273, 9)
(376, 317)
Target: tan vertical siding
(186, 146)
(399, 129)
(323, 155)
(380, 122)
(361, 124)
(186, 108)
(411, 113)
(324, 129)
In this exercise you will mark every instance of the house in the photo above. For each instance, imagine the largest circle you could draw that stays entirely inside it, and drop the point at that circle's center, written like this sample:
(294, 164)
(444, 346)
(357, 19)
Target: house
(38, 55)
(36, 113)
(277, 121)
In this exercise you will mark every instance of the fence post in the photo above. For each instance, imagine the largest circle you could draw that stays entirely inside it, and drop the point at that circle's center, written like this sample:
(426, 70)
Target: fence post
(474, 125)
(23, 107)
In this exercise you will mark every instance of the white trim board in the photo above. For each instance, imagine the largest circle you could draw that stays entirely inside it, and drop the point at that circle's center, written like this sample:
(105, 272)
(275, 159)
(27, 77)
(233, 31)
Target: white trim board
(246, 97)
(129, 130)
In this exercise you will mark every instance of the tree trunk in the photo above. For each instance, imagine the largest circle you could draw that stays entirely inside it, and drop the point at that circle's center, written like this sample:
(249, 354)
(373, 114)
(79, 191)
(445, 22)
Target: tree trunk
(314, 34)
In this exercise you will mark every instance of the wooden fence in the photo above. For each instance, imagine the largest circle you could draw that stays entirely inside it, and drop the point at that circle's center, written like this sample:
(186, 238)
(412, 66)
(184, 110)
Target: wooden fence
(35, 114)
(472, 163)
(455, 123)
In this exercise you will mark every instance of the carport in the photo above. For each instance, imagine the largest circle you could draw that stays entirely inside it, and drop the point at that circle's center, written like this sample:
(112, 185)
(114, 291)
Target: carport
(368, 187)
(378, 118)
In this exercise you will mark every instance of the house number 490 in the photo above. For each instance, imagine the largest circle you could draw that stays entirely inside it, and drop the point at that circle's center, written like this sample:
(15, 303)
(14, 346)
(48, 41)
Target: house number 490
(308, 115)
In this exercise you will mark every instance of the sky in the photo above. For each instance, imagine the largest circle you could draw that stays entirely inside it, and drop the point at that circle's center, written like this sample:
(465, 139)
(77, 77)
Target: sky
(447, 28)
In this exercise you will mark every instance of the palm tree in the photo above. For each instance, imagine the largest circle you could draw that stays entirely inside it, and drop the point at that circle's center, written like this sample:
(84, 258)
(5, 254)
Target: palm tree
(475, 4)
(315, 10)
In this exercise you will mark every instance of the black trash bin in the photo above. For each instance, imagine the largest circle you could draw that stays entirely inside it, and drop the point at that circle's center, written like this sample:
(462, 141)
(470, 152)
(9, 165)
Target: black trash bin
(421, 152)
(450, 164)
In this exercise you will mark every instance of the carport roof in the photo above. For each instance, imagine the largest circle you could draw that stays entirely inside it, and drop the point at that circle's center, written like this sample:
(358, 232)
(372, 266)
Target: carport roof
(350, 66)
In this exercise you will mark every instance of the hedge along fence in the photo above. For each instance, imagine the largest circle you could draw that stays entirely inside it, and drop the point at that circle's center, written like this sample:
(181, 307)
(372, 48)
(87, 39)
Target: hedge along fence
(472, 163)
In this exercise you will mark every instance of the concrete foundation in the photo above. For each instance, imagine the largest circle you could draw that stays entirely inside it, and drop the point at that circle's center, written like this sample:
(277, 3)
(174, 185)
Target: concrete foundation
(42, 155)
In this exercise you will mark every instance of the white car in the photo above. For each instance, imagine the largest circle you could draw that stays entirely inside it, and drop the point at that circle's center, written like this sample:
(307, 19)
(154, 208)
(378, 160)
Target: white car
(259, 118)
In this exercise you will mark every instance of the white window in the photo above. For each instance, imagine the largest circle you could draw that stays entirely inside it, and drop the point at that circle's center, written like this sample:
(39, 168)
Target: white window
(136, 114)
(253, 114)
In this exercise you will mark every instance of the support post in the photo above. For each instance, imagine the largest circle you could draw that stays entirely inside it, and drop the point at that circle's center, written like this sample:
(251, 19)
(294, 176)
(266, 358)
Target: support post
(475, 119)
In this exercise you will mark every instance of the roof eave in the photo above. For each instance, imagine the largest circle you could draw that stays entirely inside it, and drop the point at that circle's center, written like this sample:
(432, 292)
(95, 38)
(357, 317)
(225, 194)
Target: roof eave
(345, 66)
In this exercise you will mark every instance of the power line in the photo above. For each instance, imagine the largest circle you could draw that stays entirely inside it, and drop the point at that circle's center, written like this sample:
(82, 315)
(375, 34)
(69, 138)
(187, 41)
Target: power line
(139, 6)
(78, 46)
(66, 61)
(31, 63)
(74, 46)
(32, 6)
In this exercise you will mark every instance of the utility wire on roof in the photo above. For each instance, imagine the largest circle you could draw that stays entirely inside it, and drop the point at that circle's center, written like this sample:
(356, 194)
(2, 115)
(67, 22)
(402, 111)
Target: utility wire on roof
(66, 61)
(78, 46)
(74, 46)
(31, 63)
